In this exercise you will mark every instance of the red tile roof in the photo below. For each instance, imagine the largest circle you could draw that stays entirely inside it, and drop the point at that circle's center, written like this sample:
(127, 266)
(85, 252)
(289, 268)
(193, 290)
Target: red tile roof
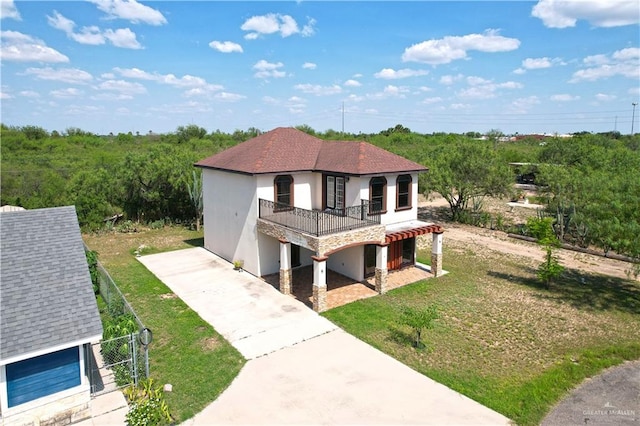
(287, 149)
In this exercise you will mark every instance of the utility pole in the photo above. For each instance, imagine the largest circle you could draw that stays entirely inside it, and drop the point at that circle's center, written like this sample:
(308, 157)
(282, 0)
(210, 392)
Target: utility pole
(343, 117)
(633, 116)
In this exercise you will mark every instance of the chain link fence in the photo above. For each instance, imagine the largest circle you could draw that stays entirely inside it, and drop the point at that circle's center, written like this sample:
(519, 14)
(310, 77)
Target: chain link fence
(122, 357)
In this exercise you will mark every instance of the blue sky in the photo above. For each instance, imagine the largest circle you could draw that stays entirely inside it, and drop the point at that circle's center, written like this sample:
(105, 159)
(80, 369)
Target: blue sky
(545, 66)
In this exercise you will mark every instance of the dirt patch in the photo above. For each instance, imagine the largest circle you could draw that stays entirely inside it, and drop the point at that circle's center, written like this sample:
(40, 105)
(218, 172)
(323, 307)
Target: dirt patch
(210, 344)
(466, 237)
(168, 296)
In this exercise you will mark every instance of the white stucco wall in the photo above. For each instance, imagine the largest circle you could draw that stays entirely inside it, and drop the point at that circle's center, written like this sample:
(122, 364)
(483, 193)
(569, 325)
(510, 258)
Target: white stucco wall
(349, 262)
(393, 216)
(230, 213)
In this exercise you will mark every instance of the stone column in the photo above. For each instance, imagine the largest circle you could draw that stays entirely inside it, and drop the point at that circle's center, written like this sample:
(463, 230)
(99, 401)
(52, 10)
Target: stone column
(319, 283)
(285, 267)
(381, 268)
(436, 254)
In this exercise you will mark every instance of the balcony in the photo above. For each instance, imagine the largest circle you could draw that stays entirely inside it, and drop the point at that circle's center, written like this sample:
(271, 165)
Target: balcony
(318, 222)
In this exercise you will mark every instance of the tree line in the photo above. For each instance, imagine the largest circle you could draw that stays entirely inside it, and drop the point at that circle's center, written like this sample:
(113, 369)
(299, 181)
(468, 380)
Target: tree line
(591, 182)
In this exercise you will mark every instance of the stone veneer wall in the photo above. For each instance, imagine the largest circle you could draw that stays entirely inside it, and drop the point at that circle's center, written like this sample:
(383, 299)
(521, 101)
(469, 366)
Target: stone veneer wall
(324, 244)
(285, 281)
(319, 298)
(64, 411)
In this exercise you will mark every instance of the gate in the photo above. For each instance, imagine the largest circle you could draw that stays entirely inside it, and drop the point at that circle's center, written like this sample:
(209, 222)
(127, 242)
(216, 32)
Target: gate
(114, 364)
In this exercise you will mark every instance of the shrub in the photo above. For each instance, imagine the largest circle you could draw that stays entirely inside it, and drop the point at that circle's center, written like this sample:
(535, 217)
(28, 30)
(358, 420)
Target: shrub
(92, 261)
(147, 405)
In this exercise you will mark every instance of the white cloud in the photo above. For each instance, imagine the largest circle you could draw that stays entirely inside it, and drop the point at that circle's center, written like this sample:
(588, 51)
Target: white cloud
(89, 35)
(352, 83)
(266, 69)
(122, 87)
(4, 95)
(390, 91)
(67, 75)
(275, 23)
(536, 63)
(205, 90)
(8, 10)
(68, 93)
(448, 80)
(451, 48)
(229, 97)
(318, 90)
(433, 100)
(122, 37)
(170, 79)
(391, 74)
(19, 47)
(309, 66)
(92, 35)
(307, 29)
(130, 10)
(522, 105)
(425, 89)
(605, 98)
(476, 81)
(225, 46)
(623, 63)
(459, 106)
(111, 97)
(481, 88)
(599, 13)
(564, 97)
(29, 94)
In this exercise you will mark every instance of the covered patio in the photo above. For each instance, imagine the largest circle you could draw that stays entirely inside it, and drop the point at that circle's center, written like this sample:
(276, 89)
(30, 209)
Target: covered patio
(341, 289)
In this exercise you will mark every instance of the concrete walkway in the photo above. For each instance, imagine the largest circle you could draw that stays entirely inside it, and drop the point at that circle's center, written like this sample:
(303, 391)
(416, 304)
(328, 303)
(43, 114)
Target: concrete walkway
(108, 409)
(302, 368)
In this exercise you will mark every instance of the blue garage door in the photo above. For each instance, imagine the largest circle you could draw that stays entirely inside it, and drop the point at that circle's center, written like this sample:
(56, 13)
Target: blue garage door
(41, 376)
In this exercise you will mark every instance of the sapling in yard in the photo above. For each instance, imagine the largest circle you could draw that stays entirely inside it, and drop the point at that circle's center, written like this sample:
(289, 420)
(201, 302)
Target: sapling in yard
(419, 319)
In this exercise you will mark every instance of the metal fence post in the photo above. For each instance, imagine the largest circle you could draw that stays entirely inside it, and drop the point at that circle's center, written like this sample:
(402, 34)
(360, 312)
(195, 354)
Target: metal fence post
(134, 356)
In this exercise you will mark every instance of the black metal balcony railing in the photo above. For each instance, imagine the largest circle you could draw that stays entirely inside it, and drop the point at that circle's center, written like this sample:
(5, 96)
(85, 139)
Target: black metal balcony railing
(318, 222)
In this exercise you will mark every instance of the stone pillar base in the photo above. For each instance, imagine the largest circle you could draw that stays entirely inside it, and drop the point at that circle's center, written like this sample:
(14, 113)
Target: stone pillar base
(285, 281)
(381, 280)
(319, 298)
(436, 264)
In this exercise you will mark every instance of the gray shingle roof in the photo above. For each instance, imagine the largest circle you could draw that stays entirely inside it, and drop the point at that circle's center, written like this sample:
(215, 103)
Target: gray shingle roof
(46, 297)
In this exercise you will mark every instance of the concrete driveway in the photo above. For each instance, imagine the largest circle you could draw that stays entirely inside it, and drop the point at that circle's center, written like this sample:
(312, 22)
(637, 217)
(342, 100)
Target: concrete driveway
(252, 315)
(302, 368)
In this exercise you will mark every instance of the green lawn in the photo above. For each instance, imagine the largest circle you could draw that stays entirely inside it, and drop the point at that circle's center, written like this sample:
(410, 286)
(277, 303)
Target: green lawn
(186, 351)
(502, 339)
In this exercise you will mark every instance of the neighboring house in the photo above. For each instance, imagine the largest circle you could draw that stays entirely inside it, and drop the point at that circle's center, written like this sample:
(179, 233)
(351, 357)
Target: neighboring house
(286, 199)
(48, 317)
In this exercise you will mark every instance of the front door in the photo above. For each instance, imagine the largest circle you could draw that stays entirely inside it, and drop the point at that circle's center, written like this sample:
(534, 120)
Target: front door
(401, 253)
(369, 260)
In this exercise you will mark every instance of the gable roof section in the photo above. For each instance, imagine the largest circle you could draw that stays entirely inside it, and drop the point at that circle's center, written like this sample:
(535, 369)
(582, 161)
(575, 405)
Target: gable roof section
(285, 150)
(362, 158)
(47, 296)
(281, 149)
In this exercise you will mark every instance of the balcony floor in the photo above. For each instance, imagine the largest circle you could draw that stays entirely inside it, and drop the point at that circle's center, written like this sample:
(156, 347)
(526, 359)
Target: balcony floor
(341, 289)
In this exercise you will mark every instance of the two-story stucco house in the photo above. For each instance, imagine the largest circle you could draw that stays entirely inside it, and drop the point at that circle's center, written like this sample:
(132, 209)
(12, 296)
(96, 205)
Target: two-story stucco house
(286, 199)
